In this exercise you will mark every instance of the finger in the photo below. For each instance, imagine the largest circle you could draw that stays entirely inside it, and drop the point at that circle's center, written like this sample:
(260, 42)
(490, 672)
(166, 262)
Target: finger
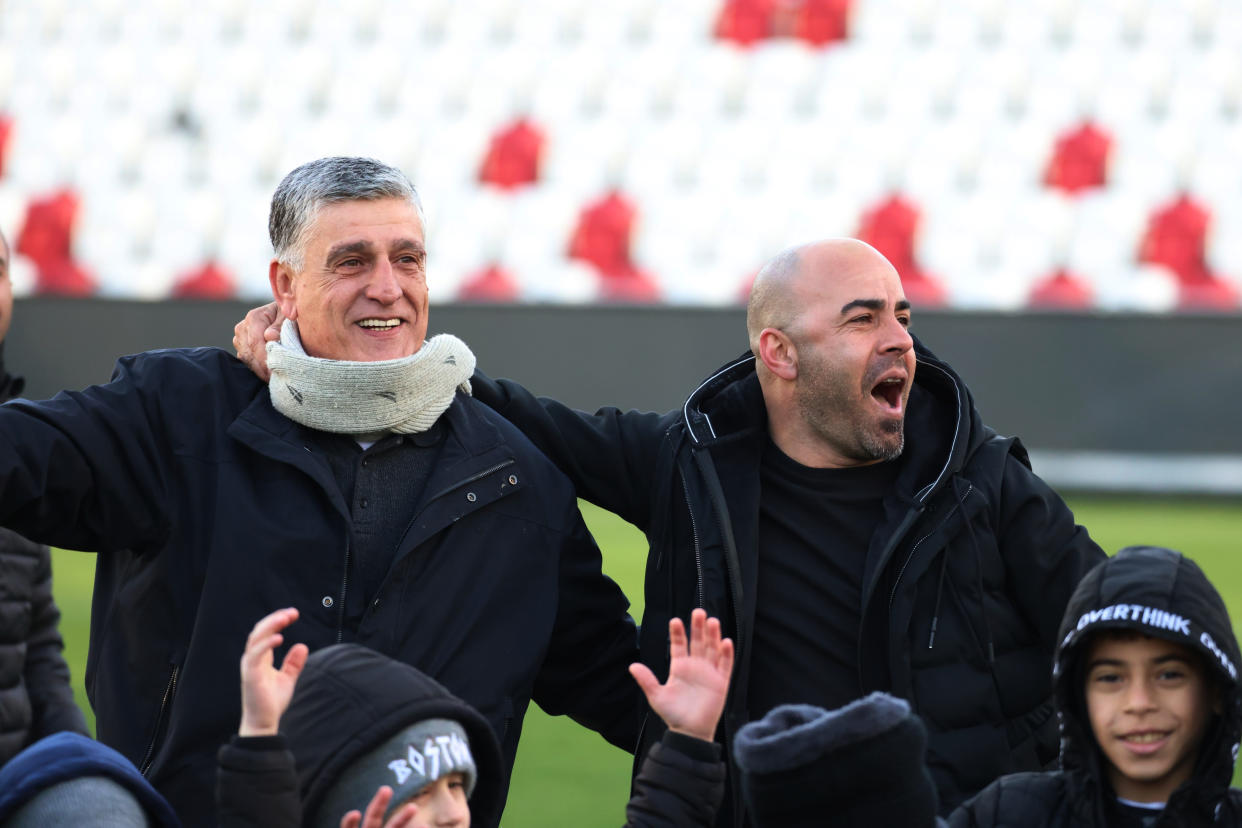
(295, 660)
(351, 820)
(374, 816)
(259, 653)
(403, 817)
(273, 622)
(698, 620)
(711, 639)
(725, 664)
(646, 679)
(676, 638)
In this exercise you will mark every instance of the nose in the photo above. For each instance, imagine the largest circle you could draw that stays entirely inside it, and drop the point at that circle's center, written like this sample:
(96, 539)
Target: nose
(383, 286)
(896, 338)
(1139, 696)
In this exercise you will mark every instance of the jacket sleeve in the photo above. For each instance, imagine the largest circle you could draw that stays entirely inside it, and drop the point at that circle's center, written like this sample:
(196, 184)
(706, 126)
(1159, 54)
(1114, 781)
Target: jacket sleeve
(257, 784)
(47, 676)
(84, 470)
(679, 785)
(585, 673)
(610, 455)
(1046, 553)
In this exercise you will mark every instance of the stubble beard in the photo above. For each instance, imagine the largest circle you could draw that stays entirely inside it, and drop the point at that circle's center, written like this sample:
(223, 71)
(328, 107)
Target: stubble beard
(834, 412)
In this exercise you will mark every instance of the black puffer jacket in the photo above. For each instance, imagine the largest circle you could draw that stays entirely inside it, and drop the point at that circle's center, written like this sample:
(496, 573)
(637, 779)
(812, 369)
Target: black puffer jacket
(972, 545)
(1138, 579)
(348, 701)
(35, 696)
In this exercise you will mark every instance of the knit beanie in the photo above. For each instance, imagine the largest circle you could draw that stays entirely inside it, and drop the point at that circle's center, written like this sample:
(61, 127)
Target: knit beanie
(407, 763)
(87, 800)
(862, 764)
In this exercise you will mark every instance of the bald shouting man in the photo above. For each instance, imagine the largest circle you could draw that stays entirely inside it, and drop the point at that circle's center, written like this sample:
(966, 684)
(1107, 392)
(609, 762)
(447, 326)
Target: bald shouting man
(835, 499)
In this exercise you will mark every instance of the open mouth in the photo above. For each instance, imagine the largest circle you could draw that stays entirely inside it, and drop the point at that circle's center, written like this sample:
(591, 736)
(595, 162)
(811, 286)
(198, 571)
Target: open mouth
(888, 392)
(379, 324)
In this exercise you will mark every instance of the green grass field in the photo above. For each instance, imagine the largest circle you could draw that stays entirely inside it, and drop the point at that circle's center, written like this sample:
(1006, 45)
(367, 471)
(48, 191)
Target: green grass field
(566, 775)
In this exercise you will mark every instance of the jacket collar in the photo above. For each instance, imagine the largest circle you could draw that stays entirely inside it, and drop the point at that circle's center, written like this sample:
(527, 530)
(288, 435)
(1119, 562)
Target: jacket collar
(942, 426)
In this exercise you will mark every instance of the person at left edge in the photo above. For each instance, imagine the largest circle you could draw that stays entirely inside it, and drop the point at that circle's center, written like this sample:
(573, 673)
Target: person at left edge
(364, 484)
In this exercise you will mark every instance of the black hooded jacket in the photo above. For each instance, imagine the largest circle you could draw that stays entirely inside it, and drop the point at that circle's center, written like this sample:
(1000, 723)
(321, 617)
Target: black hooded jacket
(972, 546)
(348, 701)
(1158, 593)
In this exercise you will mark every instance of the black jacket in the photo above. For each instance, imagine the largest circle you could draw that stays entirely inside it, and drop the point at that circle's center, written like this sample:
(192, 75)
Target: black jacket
(36, 699)
(1080, 795)
(680, 784)
(209, 509)
(972, 544)
(348, 701)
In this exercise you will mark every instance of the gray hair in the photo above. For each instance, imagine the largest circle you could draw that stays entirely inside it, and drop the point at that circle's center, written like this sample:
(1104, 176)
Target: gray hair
(303, 192)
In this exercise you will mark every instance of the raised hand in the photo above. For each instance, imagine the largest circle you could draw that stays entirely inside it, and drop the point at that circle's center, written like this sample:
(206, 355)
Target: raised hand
(693, 698)
(403, 817)
(266, 690)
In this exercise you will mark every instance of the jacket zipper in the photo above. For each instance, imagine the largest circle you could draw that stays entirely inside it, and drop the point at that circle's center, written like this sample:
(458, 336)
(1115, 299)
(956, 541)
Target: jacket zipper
(694, 533)
(893, 595)
(340, 612)
(149, 756)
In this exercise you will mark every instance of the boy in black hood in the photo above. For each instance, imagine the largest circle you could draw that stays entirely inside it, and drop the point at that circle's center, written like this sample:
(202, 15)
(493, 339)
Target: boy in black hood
(352, 738)
(1146, 684)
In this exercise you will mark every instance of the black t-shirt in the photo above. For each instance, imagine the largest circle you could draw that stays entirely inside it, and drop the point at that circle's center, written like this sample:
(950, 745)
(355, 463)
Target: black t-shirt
(815, 526)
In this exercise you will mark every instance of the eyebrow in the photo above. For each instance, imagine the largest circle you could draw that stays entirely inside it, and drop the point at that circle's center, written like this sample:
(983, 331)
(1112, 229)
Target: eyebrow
(1116, 662)
(873, 305)
(358, 247)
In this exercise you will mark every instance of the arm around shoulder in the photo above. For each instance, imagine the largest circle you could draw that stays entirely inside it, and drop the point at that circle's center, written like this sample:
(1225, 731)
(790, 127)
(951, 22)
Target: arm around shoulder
(610, 455)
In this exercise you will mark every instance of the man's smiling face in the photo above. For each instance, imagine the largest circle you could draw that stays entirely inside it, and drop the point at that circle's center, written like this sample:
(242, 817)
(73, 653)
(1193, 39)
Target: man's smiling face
(361, 294)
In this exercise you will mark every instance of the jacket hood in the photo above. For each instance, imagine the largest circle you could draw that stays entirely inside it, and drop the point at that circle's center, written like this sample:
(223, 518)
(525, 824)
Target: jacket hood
(941, 411)
(350, 699)
(1162, 594)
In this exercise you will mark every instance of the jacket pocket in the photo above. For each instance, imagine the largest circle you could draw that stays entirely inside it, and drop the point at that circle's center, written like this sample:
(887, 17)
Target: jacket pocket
(161, 718)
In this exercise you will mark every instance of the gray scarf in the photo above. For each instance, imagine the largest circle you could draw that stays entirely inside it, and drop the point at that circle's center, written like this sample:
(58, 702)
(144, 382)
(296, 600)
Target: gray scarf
(405, 395)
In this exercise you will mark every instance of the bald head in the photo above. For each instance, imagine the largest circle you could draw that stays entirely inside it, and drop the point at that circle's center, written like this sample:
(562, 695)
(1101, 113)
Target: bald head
(783, 286)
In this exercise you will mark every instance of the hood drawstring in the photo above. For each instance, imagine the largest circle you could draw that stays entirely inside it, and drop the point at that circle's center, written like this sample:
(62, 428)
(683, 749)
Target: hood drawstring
(974, 544)
(944, 564)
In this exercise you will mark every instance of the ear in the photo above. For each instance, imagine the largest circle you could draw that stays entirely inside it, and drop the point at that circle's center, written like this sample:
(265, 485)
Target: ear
(281, 278)
(778, 353)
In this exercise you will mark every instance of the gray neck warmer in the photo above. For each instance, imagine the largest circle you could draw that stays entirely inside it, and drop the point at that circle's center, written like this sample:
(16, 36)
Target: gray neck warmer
(405, 396)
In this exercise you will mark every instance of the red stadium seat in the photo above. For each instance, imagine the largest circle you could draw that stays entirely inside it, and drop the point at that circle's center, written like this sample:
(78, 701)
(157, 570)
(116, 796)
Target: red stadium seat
(891, 227)
(1080, 160)
(602, 239)
(1061, 290)
(494, 283)
(47, 240)
(513, 156)
(821, 22)
(211, 281)
(6, 130)
(745, 22)
(1176, 239)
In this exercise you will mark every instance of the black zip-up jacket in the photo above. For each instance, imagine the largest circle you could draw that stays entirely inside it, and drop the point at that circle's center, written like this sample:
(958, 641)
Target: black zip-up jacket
(965, 578)
(209, 510)
(1079, 795)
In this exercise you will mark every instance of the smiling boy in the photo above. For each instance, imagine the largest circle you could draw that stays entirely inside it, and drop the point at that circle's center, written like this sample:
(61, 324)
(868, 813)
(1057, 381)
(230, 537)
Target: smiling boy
(1146, 681)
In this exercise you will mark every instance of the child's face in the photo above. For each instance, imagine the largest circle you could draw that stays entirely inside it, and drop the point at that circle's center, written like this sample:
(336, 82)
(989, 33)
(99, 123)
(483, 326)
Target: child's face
(1149, 703)
(442, 804)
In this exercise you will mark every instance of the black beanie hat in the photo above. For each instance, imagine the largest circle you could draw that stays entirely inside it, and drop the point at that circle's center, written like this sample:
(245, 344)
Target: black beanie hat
(862, 764)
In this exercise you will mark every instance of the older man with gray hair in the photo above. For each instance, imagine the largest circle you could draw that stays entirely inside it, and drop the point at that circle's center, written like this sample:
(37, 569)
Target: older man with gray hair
(362, 485)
